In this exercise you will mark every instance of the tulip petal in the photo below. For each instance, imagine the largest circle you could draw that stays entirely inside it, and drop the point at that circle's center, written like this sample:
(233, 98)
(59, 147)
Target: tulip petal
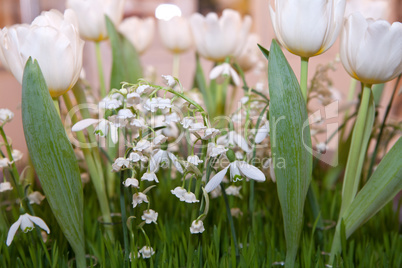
(12, 231)
(38, 221)
(250, 171)
(83, 124)
(216, 180)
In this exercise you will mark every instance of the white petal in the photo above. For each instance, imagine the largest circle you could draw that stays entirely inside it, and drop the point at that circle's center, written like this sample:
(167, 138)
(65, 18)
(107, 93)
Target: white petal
(216, 180)
(83, 124)
(250, 171)
(235, 76)
(12, 231)
(38, 221)
(216, 71)
(175, 162)
(114, 133)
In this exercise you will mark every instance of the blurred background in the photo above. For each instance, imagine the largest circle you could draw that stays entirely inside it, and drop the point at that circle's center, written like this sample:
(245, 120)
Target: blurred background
(158, 59)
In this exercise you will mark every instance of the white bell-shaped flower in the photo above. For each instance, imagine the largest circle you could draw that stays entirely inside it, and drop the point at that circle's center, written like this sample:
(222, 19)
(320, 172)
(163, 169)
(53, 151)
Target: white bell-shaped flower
(26, 223)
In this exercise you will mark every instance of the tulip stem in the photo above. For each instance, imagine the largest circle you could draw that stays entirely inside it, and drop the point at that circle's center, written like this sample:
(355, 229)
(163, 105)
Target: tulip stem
(176, 65)
(56, 105)
(100, 69)
(303, 77)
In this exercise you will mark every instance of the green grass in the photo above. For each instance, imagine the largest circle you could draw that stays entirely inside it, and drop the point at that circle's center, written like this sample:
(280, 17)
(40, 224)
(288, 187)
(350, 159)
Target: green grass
(377, 244)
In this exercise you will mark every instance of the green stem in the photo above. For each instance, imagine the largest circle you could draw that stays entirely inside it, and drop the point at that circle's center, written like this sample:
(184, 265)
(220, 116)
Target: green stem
(303, 77)
(176, 65)
(96, 176)
(230, 219)
(56, 105)
(351, 94)
(353, 168)
(124, 217)
(374, 156)
(100, 69)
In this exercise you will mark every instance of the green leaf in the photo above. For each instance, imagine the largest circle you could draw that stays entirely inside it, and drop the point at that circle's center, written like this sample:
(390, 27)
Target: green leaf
(53, 157)
(264, 51)
(382, 187)
(126, 66)
(290, 144)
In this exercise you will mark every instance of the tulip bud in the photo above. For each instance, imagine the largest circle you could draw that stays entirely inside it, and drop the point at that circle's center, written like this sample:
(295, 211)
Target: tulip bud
(91, 16)
(307, 28)
(371, 50)
(140, 32)
(53, 40)
(176, 34)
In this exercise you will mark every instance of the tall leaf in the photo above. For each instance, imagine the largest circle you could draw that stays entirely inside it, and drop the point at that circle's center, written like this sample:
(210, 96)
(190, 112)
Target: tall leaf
(290, 144)
(381, 188)
(126, 65)
(53, 157)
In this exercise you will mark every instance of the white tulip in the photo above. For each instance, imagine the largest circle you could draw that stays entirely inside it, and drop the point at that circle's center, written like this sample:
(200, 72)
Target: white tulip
(371, 51)
(375, 9)
(53, 40)
(250, 55)
(140, 32)
(91, 16)
(307, 28)
(217, 38)
(175, 34)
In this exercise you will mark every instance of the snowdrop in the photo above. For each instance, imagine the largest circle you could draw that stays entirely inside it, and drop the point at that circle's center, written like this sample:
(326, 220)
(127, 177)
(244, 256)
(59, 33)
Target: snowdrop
(234, 139)
(162, 156)
(5, 186)
(197, 227)
(238, 169)
(5, 115)
(225, 70)
(149, 216)
(26, 223)
(131, 182)
(139, 198)
(102, 129)
(262, 133)
(91, 16)
(215, 150)
(169, 80)
(140, 32)
(149, 176)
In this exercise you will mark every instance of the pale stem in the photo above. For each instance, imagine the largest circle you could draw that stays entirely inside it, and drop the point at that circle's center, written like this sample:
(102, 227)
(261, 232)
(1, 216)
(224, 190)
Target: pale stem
(350, 184)
(303, 77)
(100, 69)
(56, 105)
(351, 94)
(176, 65)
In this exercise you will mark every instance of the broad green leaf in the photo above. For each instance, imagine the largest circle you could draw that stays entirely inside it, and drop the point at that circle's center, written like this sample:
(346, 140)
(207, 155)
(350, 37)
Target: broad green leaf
(381, 188)
(357, 152)
(53, 157)
(290, 144)
(126, 65)
(264, 51)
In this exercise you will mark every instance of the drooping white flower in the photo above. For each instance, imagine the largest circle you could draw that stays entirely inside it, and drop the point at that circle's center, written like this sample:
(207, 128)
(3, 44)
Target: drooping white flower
(169, 80)
(210, 133)
(139, 198)
(149, 176)
(159, 139)
(225, 70)
(262, 133)
(215, 150)
(197, 227)
(17, 155)
(322, 147)
(5, 186)
(164, 157)
(187, 122)
(217, 38)
(142, 145)
(236, 212)
(146, 252)
(194, 159)
(149, 216)
(133, 99)
(5, 115)
(35, 198)
(196, 127)
(233, 190)
(131, 182)
(178, 192)
(140, 32)
(111, 102)
(189, 197)
(4, 163)
(234, 139)
(269, 164)
(102, 129)
(172, 118)
(26, 223)
(91, 16)
(157, 103)
(120, 163)
(238, 169)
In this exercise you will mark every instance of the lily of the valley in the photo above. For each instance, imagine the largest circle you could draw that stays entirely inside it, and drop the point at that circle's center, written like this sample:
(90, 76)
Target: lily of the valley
(53, 40)
(307, 28)
(370, 50)
(149, 216)
(26, 223)
(5, 115)
(217, 38)
(91, 16)
(238, 169)
(5, 186)
(197, 227)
